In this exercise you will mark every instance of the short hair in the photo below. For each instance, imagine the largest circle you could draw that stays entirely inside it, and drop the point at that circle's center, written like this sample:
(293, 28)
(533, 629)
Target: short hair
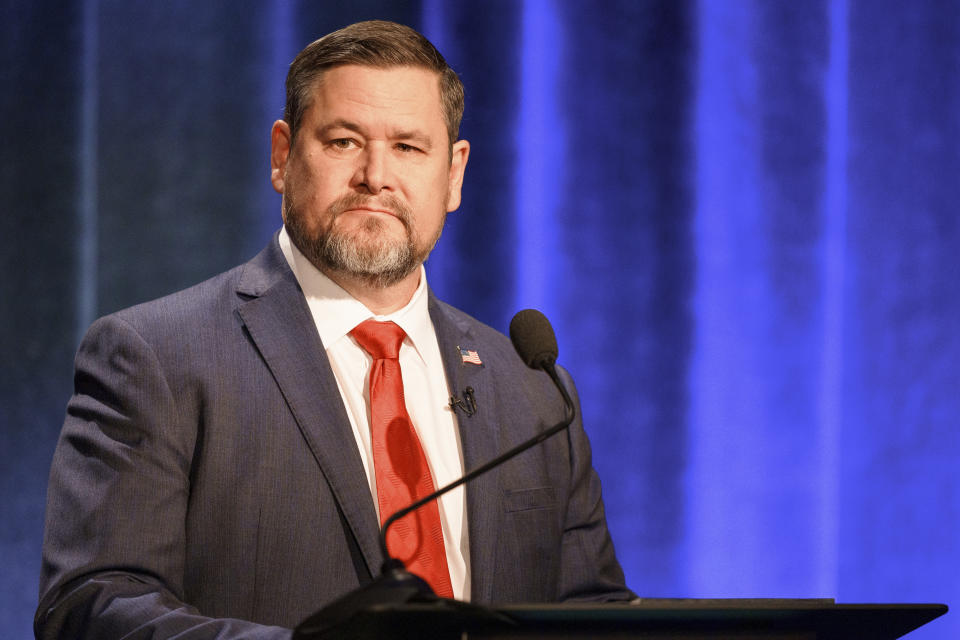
(374, 43)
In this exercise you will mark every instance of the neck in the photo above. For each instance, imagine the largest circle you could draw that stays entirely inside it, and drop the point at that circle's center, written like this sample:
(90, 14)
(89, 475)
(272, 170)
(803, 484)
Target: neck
(380, 300)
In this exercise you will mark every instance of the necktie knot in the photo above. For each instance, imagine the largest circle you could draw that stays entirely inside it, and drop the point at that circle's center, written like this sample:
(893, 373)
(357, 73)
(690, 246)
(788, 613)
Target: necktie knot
(381, 340)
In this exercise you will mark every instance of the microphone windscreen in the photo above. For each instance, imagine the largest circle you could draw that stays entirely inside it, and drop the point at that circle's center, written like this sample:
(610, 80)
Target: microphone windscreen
(533, 338)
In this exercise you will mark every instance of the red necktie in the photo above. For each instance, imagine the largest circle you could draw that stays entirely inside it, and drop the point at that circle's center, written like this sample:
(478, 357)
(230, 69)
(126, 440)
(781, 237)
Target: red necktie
(399, 463)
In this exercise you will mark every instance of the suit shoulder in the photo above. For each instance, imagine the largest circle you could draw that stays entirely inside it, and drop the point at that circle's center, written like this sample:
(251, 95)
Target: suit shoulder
(483, 332)
(216, 297)
(197, 304)
(495, 349)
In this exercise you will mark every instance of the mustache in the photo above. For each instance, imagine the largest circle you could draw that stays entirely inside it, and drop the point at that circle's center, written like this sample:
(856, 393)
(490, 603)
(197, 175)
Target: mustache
(386, 201)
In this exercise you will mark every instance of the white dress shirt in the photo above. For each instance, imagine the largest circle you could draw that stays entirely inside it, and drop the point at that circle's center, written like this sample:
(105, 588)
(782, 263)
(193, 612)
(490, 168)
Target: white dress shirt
(425, 389)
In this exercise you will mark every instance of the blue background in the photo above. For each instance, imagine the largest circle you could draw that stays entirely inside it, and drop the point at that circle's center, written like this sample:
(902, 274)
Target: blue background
(740, 215)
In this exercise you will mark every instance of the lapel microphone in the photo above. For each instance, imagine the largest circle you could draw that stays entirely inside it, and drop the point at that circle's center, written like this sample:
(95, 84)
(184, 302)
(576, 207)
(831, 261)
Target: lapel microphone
(535, 343)
(468, 405)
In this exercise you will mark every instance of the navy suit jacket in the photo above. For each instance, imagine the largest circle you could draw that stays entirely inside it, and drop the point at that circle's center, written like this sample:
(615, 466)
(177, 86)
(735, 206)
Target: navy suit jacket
(207, 478)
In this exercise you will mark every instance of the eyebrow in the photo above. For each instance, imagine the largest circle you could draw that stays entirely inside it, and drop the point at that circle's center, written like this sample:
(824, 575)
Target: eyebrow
(340, 123)
(419, 137)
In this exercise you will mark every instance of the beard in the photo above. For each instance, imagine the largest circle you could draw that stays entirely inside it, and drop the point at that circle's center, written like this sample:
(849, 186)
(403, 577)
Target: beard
(365, 253)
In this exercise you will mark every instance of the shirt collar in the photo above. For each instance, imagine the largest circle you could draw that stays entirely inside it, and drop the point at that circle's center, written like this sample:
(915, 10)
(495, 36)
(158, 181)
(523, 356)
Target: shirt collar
(336, 312)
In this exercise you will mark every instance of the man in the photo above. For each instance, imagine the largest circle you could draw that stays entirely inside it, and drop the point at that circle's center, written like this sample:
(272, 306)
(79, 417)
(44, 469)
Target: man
(223, 465)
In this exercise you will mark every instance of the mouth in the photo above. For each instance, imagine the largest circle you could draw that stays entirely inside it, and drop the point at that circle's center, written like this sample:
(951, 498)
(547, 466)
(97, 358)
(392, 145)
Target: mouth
(372, 210)
(367, 209)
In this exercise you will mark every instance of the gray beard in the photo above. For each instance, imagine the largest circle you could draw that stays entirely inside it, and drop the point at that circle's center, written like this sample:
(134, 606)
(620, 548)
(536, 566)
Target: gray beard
(375, 261)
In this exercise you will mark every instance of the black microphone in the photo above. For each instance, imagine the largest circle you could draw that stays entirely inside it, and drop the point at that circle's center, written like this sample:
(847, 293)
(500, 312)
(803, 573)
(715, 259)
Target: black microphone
(468, 404)
(533, 338)
(536, 344)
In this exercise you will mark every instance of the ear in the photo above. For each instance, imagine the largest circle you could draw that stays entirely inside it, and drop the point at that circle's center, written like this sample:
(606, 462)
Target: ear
(279, 152)
(458, 164)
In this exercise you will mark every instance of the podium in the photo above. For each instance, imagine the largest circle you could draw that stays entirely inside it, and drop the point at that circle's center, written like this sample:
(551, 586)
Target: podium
(649, 619)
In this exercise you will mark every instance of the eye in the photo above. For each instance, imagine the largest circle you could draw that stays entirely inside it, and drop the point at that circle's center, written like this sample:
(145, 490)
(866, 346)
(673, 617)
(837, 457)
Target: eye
(342, 143)
(406, 148)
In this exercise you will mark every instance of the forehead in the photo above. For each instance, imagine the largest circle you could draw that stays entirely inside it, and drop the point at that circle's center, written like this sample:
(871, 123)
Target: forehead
(402, 96)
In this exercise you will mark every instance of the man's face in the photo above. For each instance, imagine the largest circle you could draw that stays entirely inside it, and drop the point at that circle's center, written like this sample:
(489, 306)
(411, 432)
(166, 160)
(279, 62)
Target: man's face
(370, 177)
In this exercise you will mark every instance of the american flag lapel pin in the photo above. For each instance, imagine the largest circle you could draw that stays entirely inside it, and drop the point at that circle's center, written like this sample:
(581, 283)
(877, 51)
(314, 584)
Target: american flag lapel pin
(469, 356)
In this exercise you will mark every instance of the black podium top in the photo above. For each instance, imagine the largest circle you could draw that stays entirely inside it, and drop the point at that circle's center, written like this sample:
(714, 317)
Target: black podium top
(690, 619)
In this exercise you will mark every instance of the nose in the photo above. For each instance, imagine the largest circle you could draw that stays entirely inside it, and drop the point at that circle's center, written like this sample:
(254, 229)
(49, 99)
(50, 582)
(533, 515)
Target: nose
(372, 173)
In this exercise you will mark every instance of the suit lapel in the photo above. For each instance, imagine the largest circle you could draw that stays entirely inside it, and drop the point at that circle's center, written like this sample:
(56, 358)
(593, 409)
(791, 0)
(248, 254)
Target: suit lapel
(480, 438)
(280, 324)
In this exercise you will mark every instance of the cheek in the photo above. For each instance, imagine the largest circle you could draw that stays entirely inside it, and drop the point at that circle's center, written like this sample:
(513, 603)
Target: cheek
(431, 218)
(308, 192)
(299, 203)
(435, 189)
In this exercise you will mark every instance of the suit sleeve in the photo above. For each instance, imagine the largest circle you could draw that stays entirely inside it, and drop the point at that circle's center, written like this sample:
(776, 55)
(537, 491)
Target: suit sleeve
(590, 571)
(114, 540)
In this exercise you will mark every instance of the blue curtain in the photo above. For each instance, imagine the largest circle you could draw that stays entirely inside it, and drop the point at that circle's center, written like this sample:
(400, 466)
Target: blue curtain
(740, 216)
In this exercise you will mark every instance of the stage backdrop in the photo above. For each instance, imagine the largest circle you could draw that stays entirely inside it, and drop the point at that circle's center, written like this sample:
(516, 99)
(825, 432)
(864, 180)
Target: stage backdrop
(741, 217)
